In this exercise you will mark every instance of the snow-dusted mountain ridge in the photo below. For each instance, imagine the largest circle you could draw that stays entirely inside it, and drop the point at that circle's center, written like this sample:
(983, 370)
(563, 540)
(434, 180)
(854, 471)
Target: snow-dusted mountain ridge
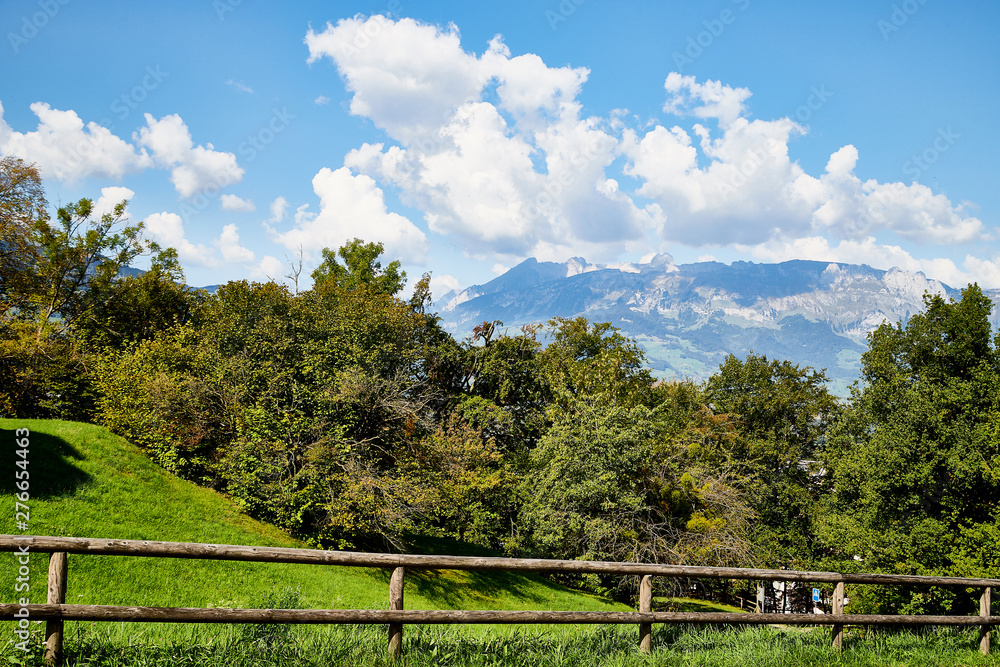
(688, 317)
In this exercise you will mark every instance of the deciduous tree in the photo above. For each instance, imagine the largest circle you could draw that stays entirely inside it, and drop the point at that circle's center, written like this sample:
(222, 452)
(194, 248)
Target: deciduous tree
(782, 413)
(361, 266)
(914, 460)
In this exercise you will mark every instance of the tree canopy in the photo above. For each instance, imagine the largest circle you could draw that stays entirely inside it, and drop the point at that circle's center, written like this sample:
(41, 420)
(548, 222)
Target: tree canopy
(352, 418)
(361, 267)
(913, 463)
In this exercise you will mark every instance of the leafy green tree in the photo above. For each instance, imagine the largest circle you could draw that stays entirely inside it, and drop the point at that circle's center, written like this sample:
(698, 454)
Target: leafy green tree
(782, 413)
(316, 401)
(136, 307)
(43, 374)
(80, 257)
(22, 206)
(161, 395)
(361, 266)
(469, 483)
(58, 275)
(504, 389)
(623, 483)
(595, 361)
(914, 462)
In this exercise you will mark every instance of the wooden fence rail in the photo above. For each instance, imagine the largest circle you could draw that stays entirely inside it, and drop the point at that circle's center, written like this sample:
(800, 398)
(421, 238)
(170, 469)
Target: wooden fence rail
(55, 612)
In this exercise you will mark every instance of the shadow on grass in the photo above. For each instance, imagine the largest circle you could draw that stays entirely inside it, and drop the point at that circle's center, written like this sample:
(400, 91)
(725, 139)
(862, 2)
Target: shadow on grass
(50, 464)
(443, 588)
(692, 605)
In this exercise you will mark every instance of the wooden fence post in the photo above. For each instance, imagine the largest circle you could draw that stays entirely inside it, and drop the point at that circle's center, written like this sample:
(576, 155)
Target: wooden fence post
(396, 604)
(646, 605)
(985, 609)
(838, 610)
(56, 595)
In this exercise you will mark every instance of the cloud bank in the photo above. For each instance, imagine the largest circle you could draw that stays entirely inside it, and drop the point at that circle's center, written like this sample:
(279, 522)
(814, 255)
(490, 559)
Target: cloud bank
(495, 152)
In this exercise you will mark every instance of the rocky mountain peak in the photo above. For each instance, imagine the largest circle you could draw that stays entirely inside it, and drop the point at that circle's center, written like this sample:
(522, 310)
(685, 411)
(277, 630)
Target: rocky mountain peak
(689, 317)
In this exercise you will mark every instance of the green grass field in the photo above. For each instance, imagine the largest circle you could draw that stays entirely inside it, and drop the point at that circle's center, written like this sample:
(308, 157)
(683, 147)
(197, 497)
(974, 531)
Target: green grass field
(86, 482)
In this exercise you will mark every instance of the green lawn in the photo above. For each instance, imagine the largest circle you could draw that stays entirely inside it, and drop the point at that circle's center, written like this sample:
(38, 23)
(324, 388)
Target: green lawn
(86, 482)
(690, 604)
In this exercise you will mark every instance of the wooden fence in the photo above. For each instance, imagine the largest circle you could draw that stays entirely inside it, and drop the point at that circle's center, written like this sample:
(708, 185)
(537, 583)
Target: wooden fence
(56, 612)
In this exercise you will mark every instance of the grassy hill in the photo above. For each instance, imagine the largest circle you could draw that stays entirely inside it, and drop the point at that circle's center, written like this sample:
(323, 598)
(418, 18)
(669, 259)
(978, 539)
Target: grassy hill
(87, 482)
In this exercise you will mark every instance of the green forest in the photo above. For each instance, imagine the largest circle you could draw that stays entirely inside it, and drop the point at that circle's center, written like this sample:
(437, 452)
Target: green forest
(347, 416)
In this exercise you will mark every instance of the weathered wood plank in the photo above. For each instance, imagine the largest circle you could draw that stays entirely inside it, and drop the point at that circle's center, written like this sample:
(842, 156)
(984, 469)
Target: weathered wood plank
(985, 610)
(79, 545)
(56, 596)
(71, 612)
(646, 605)
(396, 604)
(838, 610)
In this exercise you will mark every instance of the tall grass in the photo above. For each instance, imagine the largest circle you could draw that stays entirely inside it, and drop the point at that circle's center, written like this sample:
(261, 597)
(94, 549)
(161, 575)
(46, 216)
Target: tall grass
(607, 646)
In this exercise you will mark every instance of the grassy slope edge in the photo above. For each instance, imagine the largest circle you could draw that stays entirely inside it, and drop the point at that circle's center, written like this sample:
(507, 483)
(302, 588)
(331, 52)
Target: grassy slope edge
(87, 482)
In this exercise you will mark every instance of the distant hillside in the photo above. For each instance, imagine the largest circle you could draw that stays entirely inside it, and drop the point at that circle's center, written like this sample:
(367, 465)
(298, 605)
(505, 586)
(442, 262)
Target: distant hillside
(688, 317)
(128, 271)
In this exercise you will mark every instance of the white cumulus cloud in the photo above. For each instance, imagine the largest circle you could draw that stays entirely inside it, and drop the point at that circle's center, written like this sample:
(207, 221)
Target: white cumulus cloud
(66, 149)
(167, 229)
(353, 206)
(109, 199)
(495, 150)
(739, 185)
(238, 204)
(442, 284)
(492, 148)
(229, 245)
(405, 75)
(194, 169)
(712, 99)
(270, 268)
(278, 208)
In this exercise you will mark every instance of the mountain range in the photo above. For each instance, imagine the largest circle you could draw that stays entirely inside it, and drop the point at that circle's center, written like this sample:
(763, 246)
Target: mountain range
(688, 317)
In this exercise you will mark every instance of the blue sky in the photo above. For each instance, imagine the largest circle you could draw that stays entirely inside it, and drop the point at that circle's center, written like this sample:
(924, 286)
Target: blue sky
(468, 136)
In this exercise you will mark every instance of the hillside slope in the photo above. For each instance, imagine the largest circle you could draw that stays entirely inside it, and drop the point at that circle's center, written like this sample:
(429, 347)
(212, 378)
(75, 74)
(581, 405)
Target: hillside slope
(87, 482)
